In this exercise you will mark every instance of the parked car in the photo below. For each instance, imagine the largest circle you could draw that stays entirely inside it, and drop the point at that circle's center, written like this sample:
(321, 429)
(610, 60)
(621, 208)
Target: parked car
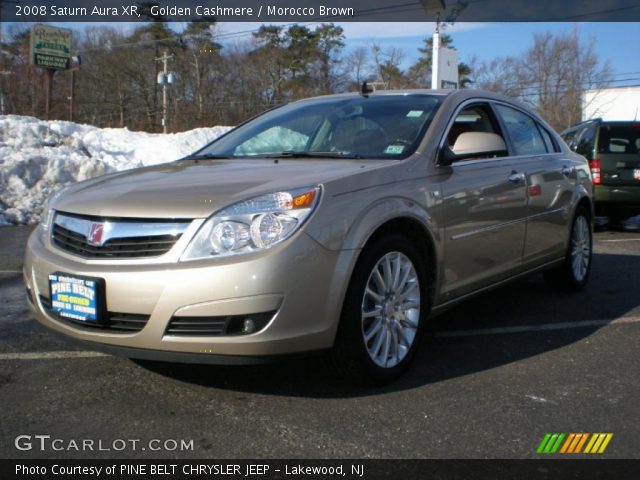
(613, 152)
(337, 223)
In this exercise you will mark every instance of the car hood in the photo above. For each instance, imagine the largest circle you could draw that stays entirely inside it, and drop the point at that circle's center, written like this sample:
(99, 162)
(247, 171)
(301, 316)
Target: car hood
(195, 189)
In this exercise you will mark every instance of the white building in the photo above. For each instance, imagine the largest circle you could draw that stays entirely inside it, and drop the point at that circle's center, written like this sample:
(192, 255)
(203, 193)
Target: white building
(621, 103)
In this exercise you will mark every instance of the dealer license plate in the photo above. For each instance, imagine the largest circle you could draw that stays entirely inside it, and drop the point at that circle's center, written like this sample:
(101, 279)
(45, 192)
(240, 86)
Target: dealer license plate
(76, 298)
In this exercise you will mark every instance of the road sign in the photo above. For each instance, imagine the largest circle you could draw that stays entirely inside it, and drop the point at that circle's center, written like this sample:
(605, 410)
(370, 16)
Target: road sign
(50, 47)
(448, 68)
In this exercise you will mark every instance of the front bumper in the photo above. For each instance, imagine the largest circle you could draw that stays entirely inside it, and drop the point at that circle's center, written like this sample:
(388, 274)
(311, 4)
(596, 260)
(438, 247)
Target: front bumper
(301, 281)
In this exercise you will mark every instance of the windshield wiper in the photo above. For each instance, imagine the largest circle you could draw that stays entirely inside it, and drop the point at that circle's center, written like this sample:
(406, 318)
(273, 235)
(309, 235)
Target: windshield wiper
(309, 154)
(285, 154)
(208, 156)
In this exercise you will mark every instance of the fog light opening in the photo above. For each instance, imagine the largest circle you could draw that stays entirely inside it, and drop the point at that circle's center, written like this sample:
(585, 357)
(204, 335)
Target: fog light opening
(248, 326)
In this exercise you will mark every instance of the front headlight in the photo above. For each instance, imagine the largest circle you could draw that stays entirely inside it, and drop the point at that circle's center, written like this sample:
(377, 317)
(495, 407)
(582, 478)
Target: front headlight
(47, 214)
(255, 224)
(45, 219)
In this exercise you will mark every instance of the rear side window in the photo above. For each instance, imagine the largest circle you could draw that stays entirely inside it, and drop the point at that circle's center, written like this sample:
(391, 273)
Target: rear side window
(523, 131)
(624, 139)
(548, 141)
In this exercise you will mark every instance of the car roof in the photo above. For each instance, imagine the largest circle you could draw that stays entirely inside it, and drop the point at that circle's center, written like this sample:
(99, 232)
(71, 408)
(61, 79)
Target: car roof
(456, 95)
(463, 93)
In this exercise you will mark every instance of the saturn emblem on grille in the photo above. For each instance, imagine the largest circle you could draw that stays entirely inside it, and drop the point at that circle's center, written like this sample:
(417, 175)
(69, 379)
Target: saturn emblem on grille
(95, 234)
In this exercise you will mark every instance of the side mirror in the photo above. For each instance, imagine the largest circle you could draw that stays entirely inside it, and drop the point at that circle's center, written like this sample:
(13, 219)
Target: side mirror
(446, 156)
(472, 145)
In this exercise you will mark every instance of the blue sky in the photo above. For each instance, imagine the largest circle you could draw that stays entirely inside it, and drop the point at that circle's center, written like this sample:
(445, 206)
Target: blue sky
(616, 42)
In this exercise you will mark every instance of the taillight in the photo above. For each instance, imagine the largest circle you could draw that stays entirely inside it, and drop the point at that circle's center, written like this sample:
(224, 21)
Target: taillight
(594, 165)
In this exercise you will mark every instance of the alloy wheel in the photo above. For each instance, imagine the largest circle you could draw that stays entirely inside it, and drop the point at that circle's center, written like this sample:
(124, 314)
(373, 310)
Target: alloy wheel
(391, 309)
(580, 248)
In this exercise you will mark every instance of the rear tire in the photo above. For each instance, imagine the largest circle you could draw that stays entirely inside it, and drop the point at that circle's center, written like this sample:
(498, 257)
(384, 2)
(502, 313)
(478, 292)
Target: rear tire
(384, 311)
(573, 274)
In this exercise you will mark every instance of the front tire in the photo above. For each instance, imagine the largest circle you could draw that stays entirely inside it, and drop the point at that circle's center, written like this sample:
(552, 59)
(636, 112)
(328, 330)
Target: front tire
(384, 311)
(573, 274)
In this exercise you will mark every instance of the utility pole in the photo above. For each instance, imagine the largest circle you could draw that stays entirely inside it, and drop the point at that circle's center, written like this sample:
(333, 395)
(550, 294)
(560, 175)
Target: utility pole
(72, 88)
(437, 6)
(165, 92)
(49, 72)
(75, 65)
(165, 78)
(435, 56)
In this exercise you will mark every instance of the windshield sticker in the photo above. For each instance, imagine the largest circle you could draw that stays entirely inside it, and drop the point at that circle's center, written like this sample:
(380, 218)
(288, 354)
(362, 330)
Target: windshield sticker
(415, 113)
(394, 149)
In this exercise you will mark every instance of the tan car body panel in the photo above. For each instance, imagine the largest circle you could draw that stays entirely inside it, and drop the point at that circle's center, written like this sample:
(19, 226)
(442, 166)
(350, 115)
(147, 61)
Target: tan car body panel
(305, 278)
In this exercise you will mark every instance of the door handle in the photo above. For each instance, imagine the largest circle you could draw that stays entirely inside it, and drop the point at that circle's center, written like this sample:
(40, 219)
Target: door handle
(566, 171)
(516, 177)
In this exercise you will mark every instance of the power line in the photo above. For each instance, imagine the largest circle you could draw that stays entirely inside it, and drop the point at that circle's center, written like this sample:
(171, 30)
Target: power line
(567, 84)
(562, 91)
(611, 10)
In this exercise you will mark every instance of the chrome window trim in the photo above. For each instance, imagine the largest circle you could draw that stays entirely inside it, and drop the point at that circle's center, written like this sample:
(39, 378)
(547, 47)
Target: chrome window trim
(491, 103)
(452, 120)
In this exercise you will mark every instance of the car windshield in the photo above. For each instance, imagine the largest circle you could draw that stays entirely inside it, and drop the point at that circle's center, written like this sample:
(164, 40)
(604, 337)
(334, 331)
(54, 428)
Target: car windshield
(383, 126)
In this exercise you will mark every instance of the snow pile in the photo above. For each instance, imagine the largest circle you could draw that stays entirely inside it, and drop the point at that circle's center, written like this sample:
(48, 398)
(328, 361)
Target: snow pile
(39, 157)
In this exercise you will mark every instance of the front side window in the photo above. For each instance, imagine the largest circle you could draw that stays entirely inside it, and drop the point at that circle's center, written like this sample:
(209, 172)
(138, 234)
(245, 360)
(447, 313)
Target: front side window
(472, 119)
(475, 119)
(383, 126)
(523, 131)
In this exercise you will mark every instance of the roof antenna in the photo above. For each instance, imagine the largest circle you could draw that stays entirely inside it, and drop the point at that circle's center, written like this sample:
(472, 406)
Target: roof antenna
(365, 89)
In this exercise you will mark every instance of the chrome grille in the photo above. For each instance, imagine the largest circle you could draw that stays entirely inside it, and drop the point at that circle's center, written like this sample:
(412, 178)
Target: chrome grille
(121, 238)
(198, 326)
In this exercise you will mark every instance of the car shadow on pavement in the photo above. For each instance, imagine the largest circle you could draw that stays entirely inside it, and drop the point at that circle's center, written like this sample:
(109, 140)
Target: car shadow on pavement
(456, 346)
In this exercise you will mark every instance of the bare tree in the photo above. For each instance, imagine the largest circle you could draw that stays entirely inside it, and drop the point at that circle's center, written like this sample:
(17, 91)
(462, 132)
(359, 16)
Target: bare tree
(550, 76)
(358, 66)
(387, 63)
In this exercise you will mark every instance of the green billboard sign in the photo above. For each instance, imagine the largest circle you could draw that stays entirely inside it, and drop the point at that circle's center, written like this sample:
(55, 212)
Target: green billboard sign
(50, 47)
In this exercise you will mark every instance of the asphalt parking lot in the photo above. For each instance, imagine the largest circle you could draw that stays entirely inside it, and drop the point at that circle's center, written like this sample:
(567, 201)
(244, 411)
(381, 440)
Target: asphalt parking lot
(502, 370)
